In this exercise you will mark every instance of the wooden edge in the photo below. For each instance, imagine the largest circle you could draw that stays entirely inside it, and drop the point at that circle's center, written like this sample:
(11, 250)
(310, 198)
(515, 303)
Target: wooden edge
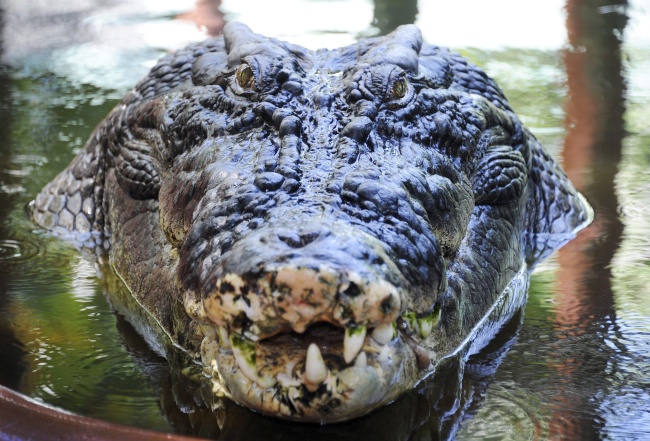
(23, 418)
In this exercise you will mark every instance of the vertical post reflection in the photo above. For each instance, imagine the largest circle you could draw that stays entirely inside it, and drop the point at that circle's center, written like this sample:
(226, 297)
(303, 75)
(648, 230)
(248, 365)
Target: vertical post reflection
(592, 152)
(207, 16)
(390, 14)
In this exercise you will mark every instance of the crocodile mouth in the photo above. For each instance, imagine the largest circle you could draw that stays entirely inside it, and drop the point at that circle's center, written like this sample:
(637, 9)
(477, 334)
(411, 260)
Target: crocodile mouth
(325, 374)
(313, 341)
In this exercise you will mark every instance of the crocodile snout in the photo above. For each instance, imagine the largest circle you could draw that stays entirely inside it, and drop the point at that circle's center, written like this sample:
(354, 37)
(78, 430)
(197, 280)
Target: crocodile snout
(279, 279)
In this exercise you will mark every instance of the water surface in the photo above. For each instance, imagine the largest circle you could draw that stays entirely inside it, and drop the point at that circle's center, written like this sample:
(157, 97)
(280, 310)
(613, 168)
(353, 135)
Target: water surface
(575, 364)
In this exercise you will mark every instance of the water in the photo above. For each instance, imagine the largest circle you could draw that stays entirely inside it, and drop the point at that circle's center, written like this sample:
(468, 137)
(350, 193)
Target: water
(575, 365)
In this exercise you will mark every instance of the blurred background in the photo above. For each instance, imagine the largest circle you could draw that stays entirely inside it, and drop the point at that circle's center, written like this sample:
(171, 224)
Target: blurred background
(575, 365)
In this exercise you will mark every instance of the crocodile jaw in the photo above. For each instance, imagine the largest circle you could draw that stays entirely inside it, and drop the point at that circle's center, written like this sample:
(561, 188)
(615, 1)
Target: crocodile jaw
(276, 379)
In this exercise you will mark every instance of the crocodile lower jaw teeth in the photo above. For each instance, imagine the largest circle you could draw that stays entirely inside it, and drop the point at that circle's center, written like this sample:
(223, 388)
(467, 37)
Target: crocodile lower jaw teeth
(383, 334)
(315, 370)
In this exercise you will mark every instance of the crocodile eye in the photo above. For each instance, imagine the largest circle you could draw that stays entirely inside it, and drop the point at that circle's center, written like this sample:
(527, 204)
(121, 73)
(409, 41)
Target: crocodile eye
(400, 87)
(245, 77)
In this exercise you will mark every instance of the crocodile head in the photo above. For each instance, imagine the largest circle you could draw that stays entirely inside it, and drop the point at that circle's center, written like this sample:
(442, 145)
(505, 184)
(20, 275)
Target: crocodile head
(337, 221)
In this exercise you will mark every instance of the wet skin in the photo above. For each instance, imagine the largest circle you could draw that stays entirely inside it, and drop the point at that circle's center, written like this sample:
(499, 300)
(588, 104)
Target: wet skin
(318, 228)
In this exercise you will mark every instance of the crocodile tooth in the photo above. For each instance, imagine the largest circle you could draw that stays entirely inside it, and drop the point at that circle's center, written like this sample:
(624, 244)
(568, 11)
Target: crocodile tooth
(244, 351)
(383, 334)
(208, 331)
(315, 369)
(425, 326)
(361, 360)
(224, 339)
(353, 342)
(265, 382)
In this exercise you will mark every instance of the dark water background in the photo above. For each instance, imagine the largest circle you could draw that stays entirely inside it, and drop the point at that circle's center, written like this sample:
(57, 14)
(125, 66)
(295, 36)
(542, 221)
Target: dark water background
(575, 367)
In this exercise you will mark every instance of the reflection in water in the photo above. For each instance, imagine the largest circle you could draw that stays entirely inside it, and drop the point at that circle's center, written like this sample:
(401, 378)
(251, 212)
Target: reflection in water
(390, 14)
(592, 153)
(57, 338)
(207, 16)
(11, 348)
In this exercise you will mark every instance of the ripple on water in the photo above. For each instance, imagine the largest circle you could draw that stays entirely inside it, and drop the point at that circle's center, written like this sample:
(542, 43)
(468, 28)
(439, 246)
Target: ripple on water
(17, 250)
(22, 166)
(508, 414)
(87, 371)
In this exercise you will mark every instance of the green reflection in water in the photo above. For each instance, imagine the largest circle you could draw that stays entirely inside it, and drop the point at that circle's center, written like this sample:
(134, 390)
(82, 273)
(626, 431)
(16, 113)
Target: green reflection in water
(74, 356)
(534, 82)
(631, 274)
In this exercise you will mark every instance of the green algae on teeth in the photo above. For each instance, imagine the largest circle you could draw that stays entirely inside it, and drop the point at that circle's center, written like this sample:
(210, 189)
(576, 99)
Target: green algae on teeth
(353, 342)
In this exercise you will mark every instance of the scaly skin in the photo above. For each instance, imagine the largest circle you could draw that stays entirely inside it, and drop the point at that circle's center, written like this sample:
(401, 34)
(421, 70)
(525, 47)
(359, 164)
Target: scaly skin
(321, 228)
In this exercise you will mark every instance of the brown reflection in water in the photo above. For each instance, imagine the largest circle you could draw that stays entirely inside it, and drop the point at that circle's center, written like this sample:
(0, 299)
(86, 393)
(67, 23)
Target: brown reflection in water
(592, 152)
(207, 16)
(388, 15)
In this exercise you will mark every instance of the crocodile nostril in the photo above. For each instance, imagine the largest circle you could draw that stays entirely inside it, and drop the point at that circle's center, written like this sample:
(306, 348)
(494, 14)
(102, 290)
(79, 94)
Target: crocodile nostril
(389, 305)
(352, 290)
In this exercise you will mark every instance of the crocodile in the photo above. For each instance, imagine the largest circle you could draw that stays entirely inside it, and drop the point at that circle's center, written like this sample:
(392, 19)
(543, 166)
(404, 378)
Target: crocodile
(319, 230)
